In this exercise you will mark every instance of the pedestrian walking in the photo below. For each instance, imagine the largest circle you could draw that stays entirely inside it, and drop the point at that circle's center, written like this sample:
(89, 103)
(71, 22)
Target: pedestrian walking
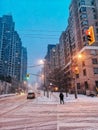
(61, 96)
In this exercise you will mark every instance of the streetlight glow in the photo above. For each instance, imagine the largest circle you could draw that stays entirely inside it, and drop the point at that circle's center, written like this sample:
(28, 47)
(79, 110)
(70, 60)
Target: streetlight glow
(80, 56)
(41, 61)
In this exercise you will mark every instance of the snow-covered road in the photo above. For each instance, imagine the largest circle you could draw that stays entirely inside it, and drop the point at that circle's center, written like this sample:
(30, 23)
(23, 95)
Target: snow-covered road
(42, 113)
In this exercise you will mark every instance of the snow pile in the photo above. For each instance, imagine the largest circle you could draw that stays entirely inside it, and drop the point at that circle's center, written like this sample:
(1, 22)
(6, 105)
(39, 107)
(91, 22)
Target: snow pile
(54, 98)
(47, 100)
(7, 95)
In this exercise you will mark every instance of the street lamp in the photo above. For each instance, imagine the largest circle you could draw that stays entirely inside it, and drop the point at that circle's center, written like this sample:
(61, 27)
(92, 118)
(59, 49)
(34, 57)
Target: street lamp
(41, 62)
(45, 88)
(44, 76)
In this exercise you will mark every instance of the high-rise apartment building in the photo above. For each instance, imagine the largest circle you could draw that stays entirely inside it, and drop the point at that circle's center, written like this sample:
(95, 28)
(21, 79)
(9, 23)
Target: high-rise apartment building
(49, 62)
(62, 49)
(6, 43)
(16, 57)
(82, 15)
(23, 63)
(10, 50)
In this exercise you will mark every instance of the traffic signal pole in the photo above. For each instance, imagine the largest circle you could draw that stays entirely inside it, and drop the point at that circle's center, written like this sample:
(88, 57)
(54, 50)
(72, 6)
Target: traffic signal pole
(75, 88)
(74, 72)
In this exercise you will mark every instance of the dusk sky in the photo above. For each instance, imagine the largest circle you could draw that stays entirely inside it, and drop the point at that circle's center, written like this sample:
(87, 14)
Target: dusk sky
(39, 23)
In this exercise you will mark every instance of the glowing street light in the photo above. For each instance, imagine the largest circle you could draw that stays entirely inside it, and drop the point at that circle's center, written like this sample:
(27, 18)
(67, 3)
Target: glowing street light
(56, 88)
(80, 56)
(41, 61)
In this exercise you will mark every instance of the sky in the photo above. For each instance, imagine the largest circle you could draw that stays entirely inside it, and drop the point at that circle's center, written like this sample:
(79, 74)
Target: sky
(38, 23)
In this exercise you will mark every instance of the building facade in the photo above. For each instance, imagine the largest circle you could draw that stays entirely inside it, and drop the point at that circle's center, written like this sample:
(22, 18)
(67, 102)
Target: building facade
(23, 63)
(6, 44)
(11, 50)
(82, 15)
(73, 41)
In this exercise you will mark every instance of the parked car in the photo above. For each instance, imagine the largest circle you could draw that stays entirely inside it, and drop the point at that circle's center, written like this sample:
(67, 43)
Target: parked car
(90, 93)
(30, 95)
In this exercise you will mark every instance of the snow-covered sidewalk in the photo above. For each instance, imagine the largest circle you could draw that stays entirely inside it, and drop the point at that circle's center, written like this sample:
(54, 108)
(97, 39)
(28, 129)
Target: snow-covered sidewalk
(6, 95)
(54, 98)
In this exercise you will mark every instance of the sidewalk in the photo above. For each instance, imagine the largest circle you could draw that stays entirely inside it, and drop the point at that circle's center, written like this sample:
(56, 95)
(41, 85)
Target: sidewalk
(6, 95)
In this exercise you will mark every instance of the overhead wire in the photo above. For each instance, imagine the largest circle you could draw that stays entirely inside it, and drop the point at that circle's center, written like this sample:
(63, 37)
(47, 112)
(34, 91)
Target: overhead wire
(40, 30)
(42, 34)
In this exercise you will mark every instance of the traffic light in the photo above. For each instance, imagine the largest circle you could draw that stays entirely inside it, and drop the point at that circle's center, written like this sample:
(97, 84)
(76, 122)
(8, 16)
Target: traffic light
(27, 76)
(76, 70)
(90, 35)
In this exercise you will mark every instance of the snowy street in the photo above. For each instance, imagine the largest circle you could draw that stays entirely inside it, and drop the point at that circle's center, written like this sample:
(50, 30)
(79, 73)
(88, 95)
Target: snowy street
(42, 113)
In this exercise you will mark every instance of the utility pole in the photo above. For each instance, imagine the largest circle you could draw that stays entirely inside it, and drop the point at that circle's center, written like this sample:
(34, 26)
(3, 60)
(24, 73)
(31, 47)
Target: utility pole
(44, 79)
(45, 87)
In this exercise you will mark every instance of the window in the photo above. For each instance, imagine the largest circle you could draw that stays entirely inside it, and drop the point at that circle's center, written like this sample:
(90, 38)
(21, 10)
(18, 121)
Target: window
(82, 9)
(86, 84)
(96, 30)
(83, 30)
(96, 83)
(92, 2)
(94, 61)
(84, 39)
(83, 63)
(96, 24)
(84, 23)
(84, 72)
(95, 17)
(78, 85)
(93, 52)
(82, 3)
(93, 10)
(77, 75)
(83, 16)
(82, 0)
(97, 37)
(95, 70)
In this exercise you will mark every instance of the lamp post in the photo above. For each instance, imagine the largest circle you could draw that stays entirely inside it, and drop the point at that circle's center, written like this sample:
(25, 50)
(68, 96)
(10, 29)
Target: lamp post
(43, 63)
(45, 87)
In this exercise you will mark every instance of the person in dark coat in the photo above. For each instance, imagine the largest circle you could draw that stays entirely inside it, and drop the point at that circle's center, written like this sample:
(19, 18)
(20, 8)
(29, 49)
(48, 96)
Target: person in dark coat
(61, 95)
